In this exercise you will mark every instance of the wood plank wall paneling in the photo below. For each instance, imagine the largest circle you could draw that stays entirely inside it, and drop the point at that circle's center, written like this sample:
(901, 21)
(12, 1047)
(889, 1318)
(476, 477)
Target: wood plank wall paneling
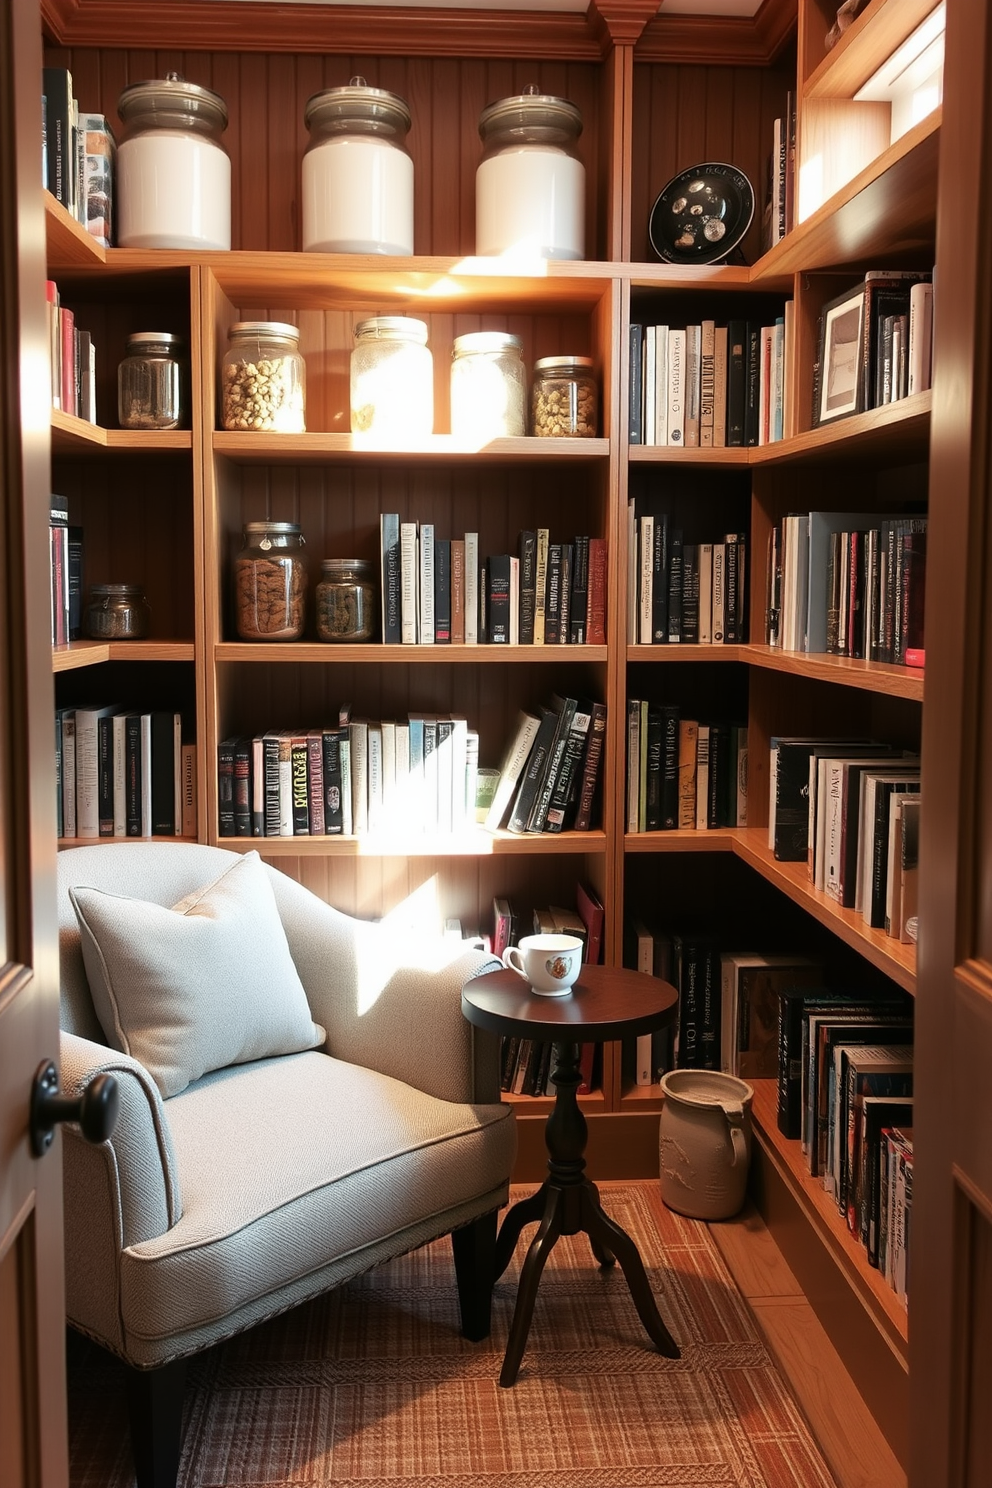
(687, 115)
(266, 137)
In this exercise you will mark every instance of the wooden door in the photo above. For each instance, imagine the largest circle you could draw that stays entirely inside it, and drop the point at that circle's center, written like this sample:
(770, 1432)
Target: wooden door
(32, 1323)
(951, 1225)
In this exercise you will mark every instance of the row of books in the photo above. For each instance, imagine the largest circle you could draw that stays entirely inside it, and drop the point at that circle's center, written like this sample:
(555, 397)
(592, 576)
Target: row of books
(549, 775)
(680, 592)
(123, 773)
(66, 569)
(441, 590)
(526, 1064)
(779, 210)
(73, 359)
(683, 775)
(711, 385)
(846, 1093)
(850, 810)
(874, 344)
(848, 584)
(78, 156)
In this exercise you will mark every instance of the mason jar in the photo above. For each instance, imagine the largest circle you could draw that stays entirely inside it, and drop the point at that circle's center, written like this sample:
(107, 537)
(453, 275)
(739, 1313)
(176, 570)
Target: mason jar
(357, 175)
(530, 184)
(488, 386)
(346, 600)
(564, 398)
(270, 582)
(149, 382)
(173, 178)
(263, 378)
(117, 612)
(392, 379)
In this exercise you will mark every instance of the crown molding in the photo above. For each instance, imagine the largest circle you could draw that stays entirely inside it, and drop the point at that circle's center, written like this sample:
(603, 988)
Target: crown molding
(730, 41)
(620, 22)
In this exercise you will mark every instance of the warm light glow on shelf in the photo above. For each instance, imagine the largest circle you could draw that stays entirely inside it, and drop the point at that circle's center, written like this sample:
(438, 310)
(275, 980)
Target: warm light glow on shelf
(911, 80)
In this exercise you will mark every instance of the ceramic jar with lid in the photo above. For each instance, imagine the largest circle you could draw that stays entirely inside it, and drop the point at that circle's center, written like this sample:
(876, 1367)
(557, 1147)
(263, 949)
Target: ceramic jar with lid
(346, 600)
(270, 583)
(530, 183)
(488, 386)
(117, 612)
(564, 398)
(263, 378)
(173, 175)
(392, 379)
(357, 175)
(149, 382)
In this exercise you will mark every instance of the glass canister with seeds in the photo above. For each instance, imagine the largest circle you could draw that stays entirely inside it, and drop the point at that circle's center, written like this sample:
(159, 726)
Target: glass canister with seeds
(564, 398)
(346, 600)
(270, 583)
(263, 379)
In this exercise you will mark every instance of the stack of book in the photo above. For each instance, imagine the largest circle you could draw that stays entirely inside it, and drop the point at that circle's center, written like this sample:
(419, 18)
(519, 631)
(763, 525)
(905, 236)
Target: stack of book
(73, 360)
(78, 156)
(66, 564)
(682, 592)
(123, 774)
(683, 774)
(550, 770)
(845, 1091)
(848, 584)
(438, 590)
(711, 385)
(874, 344)
(779, 210)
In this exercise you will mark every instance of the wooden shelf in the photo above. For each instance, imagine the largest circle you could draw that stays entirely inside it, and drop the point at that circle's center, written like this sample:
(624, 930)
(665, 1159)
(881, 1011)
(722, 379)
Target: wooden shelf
(304, 449)
(820, 1211)
(846, 671)
(867, 43)
(105, 841)
(477, 844)
(687, 652)
(712, 840)
(70, 246)
(74, 436)
(326, 653)
(890, 956)
(664, 454)
(76, 654)
(899, 431)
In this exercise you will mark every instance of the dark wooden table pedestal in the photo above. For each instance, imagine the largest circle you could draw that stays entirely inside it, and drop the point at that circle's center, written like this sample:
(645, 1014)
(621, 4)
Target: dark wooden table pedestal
(567, 1203)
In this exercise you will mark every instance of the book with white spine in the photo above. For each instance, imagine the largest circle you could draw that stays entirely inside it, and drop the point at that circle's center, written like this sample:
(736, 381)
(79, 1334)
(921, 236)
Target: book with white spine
(409, 575)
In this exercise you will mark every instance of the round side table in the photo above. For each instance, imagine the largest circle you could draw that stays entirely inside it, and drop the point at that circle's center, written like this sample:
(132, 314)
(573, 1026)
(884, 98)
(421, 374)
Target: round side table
(606, 1003)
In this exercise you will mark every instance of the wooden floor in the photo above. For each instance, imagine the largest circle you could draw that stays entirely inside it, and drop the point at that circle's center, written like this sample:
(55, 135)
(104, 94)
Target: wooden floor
(858, 1454)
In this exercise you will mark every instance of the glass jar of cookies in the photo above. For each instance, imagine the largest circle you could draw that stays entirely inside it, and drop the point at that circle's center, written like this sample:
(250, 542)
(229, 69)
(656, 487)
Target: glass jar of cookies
(270, 583)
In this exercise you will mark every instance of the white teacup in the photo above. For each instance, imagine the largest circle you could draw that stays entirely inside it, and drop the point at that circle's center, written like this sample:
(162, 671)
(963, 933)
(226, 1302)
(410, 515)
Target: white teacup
(550, 963)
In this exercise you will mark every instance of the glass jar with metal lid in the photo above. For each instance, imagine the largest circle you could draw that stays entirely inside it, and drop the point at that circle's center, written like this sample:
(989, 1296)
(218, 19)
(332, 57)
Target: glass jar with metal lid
(117, 612)
(149, 382)
(173, 177)
(357, 175)
(392, 379)
(270, 583)
(346, 600)
(488, 386)
(263, 378)
(564, 398)
(530, 183)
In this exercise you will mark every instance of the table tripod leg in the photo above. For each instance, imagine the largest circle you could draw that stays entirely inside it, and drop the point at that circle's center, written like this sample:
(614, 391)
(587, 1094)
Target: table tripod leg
(601, 1228)
(524, 1213)
(540, 1248)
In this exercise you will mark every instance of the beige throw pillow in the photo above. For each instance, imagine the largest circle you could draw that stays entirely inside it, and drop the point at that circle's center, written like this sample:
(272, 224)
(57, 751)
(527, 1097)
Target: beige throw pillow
(208, 983)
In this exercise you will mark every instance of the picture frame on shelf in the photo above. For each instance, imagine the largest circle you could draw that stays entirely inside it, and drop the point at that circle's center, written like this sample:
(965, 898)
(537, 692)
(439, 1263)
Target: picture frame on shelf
(839, 356)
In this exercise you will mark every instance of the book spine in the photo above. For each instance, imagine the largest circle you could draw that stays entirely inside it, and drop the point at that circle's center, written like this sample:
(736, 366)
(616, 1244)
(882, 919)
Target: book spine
(471, 588)
(579, 596)
(636, 362)
(105, 775)
(528, 586)
(498, 590)
(392, 629)
(132, 777)
(315, 782)
(596, 608)
(425, 579)
(442, 591)
(590, 768)
(241, 791)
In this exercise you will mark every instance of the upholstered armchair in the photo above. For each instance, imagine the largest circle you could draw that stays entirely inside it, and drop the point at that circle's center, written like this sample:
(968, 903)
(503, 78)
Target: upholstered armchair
(296, 1105)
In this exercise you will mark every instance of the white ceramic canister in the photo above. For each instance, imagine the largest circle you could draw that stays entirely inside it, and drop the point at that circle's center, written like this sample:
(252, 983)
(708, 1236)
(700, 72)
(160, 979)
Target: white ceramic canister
(704, 1142)
(530, 186)
(173, 174)
(357, 175)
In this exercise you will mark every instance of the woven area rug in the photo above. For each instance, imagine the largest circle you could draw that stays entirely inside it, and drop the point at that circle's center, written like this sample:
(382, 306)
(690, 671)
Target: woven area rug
(372, 1385)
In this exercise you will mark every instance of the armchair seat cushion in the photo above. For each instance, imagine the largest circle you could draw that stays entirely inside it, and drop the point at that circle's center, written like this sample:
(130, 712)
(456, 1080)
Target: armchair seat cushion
(339, 1157)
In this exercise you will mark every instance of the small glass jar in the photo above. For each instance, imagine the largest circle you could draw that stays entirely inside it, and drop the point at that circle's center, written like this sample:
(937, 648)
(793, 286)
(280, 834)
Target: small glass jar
(357, 175)
(564, 398)
(270, 583)
(149, 382)
(530, 184)
(392, 379)
(117, 612)
(263, 378)
(173, 176)
(488, 386)
(346, 600)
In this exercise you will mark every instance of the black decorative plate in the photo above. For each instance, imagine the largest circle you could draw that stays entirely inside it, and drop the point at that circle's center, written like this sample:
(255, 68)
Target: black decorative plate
(702, 214)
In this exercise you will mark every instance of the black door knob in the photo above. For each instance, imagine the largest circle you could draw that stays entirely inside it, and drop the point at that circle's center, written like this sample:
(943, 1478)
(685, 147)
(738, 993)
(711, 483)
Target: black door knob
(95, 1110)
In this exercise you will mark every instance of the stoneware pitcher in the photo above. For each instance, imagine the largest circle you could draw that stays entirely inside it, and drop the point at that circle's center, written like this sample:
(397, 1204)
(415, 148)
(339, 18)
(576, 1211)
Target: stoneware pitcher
(705, 1142)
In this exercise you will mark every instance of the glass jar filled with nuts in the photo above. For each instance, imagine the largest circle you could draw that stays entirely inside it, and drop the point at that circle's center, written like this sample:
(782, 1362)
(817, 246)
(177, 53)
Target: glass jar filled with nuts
(564, 399)
(346, 600)
(270, 583)
(263, 379)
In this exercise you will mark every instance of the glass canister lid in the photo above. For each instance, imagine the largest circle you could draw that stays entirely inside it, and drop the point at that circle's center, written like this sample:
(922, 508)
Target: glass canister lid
(154, 338)
(260, 531)
(172, 101)
(264, 329)
(373, 109)
(485, 341)
(392, 328)
(524, 112)
(562, 363)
